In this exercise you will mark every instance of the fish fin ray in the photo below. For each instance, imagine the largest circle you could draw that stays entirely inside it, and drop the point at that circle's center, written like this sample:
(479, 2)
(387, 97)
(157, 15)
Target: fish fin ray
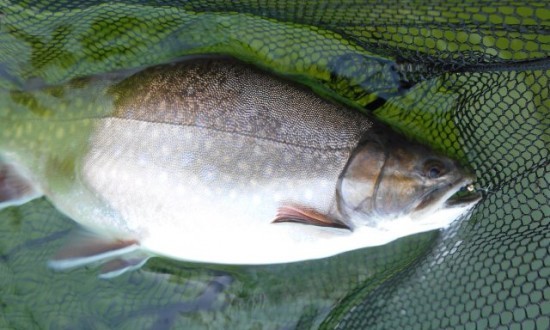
(119, 266)
(15, 188)
(307, 216)
(85, 248)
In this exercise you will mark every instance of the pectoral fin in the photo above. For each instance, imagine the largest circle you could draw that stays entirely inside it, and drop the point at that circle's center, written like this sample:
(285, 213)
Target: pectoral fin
(308, 216)
(15, 188)
(84, 248)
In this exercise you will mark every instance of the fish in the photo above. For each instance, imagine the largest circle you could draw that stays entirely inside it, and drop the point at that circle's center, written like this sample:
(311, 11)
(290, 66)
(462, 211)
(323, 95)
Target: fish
(214, 160)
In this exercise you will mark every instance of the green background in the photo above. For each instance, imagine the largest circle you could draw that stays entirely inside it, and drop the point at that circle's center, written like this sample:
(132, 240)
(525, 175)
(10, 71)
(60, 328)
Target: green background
(468, 78)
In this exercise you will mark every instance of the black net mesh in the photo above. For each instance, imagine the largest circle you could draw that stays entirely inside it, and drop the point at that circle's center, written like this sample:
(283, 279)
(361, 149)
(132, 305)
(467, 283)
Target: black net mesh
(467, 77)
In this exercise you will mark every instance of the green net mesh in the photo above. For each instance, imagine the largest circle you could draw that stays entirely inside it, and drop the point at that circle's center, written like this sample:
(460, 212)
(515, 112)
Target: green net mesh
(470, 78)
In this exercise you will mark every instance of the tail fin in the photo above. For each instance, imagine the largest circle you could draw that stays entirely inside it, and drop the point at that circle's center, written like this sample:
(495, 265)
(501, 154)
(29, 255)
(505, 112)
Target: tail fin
(15, 187)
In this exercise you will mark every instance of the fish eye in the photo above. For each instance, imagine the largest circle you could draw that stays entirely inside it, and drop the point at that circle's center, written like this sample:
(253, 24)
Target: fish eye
(434, 169)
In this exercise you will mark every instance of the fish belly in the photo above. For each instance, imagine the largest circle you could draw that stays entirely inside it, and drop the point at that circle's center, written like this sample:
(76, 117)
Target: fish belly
(195, 193)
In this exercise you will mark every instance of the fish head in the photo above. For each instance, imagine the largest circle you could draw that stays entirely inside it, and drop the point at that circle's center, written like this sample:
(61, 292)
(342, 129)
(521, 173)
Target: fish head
(388, 177)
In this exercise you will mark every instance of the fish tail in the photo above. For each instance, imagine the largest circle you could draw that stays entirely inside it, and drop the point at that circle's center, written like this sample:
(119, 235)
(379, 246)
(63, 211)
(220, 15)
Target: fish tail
(16, 188)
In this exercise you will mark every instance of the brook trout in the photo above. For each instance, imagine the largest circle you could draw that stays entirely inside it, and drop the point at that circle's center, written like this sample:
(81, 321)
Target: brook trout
(212, 160)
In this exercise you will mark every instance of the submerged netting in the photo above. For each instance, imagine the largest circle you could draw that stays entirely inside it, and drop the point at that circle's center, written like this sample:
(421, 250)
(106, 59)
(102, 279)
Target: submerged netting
(470, 78)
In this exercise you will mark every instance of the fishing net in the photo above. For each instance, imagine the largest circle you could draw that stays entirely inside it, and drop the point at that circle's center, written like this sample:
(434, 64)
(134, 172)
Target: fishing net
(470, 78)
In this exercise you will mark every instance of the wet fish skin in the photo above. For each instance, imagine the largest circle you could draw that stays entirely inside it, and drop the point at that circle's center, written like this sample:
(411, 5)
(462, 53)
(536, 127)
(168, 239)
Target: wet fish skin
(212, 160)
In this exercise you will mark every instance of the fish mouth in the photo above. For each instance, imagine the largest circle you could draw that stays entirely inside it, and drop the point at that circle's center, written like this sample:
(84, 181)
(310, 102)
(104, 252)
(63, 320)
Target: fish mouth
(463, 197)
(457, 194)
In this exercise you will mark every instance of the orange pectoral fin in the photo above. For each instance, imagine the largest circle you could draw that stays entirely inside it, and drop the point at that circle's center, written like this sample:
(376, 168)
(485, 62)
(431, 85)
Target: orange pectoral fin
(307, 216)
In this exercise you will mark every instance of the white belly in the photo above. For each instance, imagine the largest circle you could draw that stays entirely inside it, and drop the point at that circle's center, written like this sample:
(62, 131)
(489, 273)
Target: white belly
(196, 194)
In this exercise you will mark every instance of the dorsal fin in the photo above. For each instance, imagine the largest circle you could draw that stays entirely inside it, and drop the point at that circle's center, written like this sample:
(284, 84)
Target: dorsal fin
(308, 216)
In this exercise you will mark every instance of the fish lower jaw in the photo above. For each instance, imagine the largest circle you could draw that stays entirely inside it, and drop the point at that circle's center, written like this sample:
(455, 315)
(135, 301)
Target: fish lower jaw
(437, 203)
